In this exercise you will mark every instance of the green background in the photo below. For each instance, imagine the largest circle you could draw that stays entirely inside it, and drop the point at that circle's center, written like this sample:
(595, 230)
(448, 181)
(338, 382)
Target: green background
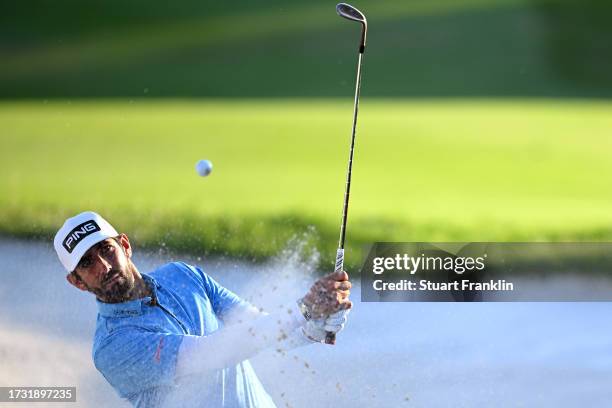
(129, 48)
(480, 120)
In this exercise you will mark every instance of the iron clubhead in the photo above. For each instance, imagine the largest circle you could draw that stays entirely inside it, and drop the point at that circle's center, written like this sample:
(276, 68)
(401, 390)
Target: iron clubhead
(351, 13)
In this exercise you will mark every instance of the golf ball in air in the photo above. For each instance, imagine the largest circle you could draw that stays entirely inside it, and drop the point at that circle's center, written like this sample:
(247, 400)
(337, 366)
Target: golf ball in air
(204, 167)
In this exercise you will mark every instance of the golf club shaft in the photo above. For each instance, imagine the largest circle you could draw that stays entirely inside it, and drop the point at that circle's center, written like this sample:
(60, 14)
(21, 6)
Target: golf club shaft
(347, 190)
(330, 338)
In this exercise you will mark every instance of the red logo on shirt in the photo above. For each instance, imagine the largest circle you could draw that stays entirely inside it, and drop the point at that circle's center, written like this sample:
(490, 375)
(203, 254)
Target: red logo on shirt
(160, 345)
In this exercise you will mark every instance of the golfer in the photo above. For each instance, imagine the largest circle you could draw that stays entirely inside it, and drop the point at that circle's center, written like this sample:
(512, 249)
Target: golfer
(175, 337)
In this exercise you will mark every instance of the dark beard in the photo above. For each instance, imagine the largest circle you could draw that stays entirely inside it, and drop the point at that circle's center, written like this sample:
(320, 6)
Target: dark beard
(118, 292)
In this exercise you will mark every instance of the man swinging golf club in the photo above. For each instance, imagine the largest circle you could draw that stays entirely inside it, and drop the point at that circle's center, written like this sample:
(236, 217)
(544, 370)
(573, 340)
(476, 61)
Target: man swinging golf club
(174, 336)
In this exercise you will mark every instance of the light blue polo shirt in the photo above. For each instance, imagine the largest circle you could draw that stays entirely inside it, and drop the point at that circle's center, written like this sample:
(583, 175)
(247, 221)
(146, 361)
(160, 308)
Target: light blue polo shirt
(136, 344)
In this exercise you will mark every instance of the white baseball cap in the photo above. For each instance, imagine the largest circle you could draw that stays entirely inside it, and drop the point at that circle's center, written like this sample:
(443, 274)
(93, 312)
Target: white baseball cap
(78, 234)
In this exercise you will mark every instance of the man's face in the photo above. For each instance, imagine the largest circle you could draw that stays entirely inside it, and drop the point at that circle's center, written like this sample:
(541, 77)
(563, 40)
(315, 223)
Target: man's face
(106, 270)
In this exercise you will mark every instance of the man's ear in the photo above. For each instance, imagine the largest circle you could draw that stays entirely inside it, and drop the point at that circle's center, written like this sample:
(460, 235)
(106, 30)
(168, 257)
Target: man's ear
(124, 241)
(77, 283)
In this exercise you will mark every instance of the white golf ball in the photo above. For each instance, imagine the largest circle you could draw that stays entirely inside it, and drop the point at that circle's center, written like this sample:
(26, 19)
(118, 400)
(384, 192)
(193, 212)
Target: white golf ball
(204, 167)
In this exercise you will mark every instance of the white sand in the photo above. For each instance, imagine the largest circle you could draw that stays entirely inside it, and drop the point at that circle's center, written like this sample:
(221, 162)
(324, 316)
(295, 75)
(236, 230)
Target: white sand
(393, 354)
(31, 358)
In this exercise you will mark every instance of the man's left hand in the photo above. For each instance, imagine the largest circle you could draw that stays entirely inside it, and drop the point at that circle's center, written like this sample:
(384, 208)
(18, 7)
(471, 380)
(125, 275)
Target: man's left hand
(316, 329)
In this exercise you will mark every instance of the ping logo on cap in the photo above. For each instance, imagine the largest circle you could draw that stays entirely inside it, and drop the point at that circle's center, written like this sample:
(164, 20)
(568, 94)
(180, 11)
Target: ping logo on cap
(78, 233)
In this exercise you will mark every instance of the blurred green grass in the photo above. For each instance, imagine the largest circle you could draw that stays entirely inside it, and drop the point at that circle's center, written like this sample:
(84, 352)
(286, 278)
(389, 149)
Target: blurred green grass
(455, 170)
(549, 48)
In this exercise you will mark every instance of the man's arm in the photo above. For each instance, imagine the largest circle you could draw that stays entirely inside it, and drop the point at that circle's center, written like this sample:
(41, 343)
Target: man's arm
(239, 341)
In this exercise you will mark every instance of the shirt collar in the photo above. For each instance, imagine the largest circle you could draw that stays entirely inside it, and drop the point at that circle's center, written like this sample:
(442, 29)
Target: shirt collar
(131, 307)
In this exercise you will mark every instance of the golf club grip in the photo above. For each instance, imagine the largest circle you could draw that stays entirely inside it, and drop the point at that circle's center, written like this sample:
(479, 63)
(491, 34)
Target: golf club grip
(330, 338)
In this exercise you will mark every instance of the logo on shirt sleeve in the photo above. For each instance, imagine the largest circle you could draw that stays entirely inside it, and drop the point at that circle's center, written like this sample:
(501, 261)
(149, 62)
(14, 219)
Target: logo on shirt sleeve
(79, 233)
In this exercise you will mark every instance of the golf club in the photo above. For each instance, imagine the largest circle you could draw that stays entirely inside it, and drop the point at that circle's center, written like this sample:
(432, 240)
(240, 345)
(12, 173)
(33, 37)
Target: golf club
(351, 13)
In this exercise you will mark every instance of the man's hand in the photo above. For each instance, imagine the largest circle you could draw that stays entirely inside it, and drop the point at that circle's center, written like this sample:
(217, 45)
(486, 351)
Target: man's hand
(316, 329)
(328, 295)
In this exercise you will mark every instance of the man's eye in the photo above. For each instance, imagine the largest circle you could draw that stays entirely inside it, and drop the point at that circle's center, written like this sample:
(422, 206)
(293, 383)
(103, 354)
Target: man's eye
(107, 248)
(85, 263)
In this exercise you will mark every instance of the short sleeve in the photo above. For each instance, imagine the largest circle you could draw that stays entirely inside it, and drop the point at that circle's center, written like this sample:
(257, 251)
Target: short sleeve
(133, 359)
(221, 298)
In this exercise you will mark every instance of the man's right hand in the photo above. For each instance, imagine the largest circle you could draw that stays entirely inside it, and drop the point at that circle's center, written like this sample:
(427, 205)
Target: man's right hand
(328, 295)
